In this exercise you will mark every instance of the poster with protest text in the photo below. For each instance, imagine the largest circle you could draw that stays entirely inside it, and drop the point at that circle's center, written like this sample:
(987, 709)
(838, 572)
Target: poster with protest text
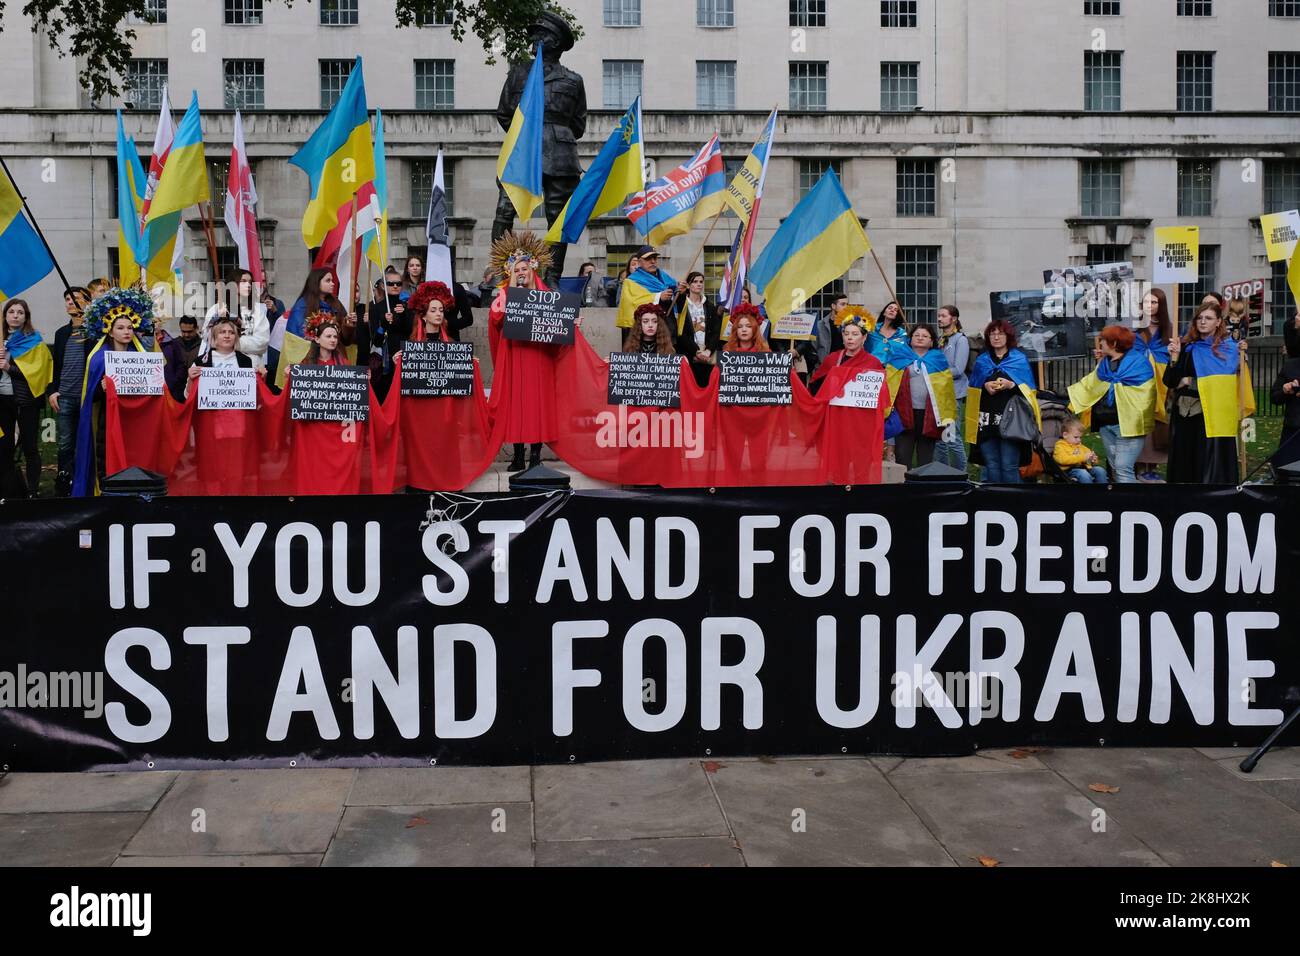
(135, 373)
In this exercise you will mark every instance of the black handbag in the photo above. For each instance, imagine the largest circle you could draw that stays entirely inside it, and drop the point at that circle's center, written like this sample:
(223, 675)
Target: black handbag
(1018, 422)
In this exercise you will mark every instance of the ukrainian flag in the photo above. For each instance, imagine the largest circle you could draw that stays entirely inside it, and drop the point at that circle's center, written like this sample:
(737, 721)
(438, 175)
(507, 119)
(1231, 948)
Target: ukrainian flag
(519, 167)
(1216, 381)
(900, 359)
(1014, 366)
(377, 238)
(24, 260)
(338, 159)
(31, 356)
(130, 200)
(638, 289)
(814, 246)
(1131, 389)
(184, 183)
(1157, 350)
(618, 172)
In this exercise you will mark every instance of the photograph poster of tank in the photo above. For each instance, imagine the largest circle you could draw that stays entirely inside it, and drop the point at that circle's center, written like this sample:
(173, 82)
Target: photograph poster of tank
(1061, 318)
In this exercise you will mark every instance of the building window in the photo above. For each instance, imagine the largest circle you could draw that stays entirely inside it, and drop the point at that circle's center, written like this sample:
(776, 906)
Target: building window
(1100, 187)
(715, 264)
(1195, 8)
(243, 12)
(715, 13)
(916, 279)
(810, 171)
(245, 83)
(916, 187)
(1281, 185)
(422, 171)
(1195, 82)
(145, 80)
(435, 84)
(898, 86)
(155, 11)
(1284, 8)
(1282, 305)
(807, 13)
(807, 85)
(622, 13)
(1101, 8)
(333, 77)
(1195, 187)
(715, 84)
(1284, 82)
(432, 18)
(338, 13)
(1103, 254)
(820, 301)
(218, 180)
(622, 83)
(898, 13)
(1102, 73)
(1190, 294)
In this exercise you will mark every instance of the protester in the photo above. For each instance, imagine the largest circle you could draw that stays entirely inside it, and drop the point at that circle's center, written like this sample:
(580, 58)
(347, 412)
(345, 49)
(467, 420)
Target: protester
(648, 283)
(956, 349)
(180, 353)
(412, 275)
(924, 399)
(1120, 396)
(69, 371)
(651, 334)
(1237, 316)
(746, 335)
(223, 351)
(890, 328)
(592, 291)
(853, 330)
(1075, 458)
(1155, 329)
(318, 293)
(254, 322)
(1206, 407)
(1291, 337)
(429, 309)
(274, 307)
(699, 328)
(1001, 377)
(1286, 392)
(827, 328)
(227, 447)
(29, 374)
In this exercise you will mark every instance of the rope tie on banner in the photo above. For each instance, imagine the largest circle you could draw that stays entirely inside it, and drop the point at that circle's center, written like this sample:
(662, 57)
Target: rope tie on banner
(457, 509)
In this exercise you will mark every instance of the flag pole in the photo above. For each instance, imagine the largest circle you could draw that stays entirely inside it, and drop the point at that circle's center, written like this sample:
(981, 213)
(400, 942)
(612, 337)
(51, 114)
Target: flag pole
(355, 253)
(705, 243)
(35, 225)
(892, 294)
(205, 214)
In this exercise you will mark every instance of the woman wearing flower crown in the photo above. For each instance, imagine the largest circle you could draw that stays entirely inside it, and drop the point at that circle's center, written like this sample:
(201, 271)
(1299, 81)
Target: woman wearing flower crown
(114, 322)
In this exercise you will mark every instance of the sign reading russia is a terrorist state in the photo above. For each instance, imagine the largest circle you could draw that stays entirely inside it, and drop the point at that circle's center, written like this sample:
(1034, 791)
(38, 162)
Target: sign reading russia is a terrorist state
(615, 625)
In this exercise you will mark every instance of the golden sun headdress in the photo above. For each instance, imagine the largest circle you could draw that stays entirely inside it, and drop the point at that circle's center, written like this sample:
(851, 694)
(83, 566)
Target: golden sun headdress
(514, 246)
(859, 317)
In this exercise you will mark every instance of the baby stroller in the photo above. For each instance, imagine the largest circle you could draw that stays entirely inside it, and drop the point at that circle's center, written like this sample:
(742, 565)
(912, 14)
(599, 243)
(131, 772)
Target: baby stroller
(1055, 409)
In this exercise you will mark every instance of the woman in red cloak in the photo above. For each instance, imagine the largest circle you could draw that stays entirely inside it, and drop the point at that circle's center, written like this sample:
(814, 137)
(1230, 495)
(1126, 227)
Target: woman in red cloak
(851, 438)
(226, 445)
(325, 457)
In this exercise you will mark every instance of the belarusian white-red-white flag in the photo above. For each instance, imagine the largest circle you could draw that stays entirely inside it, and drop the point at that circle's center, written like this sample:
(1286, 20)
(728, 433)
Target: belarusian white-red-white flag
(241, 200)
(162, 147)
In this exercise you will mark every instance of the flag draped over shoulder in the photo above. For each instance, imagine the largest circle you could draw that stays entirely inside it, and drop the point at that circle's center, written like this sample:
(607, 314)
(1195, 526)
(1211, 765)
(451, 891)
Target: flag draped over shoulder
(900, 359)
(815, 245)
(1131, 388)
(183, 183)
(617, 172)
(519, 166)
(1014, 366)
(24, 260)
(674, 204)
(339, 161)
(638, 289)
(743, 196)
(241, 202)
(28, 351)
(1216, 382)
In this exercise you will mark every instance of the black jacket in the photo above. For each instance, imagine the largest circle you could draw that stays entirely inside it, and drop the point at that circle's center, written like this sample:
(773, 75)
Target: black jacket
(1291, 403)
(1291, 338)
(242, 360)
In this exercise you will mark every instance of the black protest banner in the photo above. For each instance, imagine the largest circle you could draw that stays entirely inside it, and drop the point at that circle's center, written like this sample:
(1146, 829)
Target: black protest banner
(329, 393)
(437, 369)
(649, 381)
(589, 626)
(754, 378)
(538, 315)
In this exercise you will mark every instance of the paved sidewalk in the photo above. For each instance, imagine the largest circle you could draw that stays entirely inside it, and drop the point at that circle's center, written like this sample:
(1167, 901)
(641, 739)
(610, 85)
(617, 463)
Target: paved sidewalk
(1045, 808)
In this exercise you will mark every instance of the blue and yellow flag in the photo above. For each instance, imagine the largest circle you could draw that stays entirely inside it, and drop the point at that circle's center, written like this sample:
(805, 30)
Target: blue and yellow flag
(1216, 381)
(30, 354)
(1158, 351)
(184, 183)
(519, 167)
(815, 245)
(1014, 366)
(618, 172)
(638, 289)
(900, 359)
(377, 239)
(1130, 389)
(339, 160)
(24, 260)
(130, 200)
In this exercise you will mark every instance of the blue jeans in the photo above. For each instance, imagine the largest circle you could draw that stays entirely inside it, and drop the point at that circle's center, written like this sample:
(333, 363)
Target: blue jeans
(1001, 461)
(1096, 475)
(953, 453)
(1122, 453)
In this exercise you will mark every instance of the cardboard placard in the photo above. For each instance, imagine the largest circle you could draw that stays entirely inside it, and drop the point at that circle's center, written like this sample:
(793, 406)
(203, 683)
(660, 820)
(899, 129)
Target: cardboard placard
(755, 378)
(1281, 232)
(1178, 254)
(135, 373)
(232, 388)
(537, 315)
(796, 326)
(863, 391)
(437, 369)
(329, 393)
(650, 381)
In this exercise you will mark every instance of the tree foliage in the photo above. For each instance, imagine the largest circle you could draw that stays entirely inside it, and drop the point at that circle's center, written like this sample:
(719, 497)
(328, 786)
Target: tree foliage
(99, 33)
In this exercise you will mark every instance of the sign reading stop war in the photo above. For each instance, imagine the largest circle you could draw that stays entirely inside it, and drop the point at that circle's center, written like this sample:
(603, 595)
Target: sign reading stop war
(437, 369)
(227, 388)
(650, 381)
(754, 378)
(135, 373)
(538, 315)
(329, 393)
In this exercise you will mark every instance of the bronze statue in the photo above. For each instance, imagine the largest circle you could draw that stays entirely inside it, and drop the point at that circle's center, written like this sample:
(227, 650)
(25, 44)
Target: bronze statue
(565, 122)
